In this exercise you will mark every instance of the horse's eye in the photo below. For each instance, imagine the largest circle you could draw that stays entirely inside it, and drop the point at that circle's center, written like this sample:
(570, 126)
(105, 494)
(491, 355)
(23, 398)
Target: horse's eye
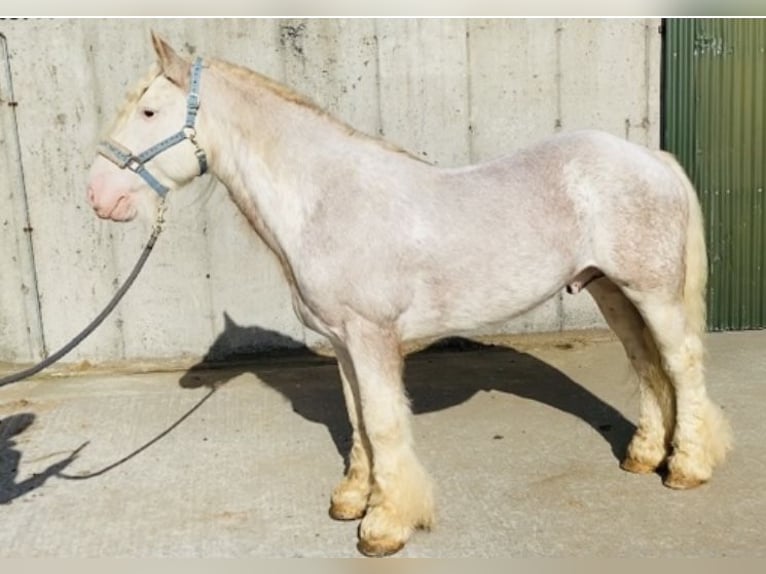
(148, 113)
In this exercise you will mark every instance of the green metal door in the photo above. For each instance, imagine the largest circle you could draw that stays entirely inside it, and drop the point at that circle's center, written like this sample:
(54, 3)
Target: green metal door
(714, 121)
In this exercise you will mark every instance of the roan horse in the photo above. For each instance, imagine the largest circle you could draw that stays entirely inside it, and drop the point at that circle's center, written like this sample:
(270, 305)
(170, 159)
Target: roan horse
(379, 248)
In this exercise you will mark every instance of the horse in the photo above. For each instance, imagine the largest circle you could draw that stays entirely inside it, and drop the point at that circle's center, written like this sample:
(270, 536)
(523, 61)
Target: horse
(380, 248)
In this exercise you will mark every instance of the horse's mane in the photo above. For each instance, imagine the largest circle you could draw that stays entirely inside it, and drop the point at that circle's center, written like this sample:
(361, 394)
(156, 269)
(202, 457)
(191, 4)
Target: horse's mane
(248, 76)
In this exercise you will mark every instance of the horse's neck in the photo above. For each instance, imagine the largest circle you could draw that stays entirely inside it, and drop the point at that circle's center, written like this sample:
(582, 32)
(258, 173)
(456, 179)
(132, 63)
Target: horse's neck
(265, 150)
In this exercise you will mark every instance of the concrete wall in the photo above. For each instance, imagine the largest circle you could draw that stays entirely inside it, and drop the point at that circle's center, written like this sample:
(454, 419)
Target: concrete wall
(452, 91)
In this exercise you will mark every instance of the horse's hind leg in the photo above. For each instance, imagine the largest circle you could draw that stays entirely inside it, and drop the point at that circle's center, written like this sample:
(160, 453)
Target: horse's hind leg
(651, 442)
(401, 499)
(701, 436)
(349, 499)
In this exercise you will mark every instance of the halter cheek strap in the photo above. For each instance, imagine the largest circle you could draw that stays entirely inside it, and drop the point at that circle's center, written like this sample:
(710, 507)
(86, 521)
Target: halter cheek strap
(123, 158)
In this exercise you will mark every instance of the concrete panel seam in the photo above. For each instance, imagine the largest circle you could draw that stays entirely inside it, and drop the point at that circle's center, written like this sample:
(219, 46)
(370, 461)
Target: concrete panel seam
(36, 332)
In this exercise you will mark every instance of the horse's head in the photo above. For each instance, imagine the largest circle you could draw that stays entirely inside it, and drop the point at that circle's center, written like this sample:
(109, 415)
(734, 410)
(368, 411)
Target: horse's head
(131, 171)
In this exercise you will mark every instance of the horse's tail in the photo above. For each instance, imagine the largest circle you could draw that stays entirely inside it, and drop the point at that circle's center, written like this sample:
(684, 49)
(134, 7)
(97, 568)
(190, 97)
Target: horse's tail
(715, 426)
(695, 282)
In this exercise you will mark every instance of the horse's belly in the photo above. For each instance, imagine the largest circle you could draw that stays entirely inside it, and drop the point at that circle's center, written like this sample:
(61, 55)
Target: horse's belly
(463, 310)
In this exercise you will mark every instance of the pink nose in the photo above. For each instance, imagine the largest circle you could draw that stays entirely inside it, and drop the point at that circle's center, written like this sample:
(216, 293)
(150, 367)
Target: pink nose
(109, 196)
(91, 196)
(93, 201)
(101, 200)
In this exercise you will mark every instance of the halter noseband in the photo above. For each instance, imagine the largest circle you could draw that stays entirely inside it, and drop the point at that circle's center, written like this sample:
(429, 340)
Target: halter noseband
(123, 158)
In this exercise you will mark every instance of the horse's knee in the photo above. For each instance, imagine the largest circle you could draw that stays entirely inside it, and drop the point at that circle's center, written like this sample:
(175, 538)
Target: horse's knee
(401, 499)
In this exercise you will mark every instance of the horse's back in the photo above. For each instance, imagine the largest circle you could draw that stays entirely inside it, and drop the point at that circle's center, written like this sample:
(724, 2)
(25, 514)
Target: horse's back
(561, 191)
(607, 163)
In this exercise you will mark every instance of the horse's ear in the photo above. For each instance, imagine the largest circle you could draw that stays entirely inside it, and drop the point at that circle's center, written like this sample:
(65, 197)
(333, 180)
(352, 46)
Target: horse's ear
(173, 66)
(228, 322)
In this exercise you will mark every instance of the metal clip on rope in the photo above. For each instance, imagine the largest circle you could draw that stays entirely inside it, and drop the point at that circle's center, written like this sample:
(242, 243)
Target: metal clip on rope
(48, 361)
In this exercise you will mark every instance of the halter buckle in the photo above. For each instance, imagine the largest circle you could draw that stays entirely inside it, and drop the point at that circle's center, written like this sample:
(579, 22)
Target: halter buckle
(133, 163)
(190, 133)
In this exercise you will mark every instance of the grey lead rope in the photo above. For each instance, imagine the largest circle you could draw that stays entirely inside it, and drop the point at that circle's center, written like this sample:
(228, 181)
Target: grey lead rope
(48, 361)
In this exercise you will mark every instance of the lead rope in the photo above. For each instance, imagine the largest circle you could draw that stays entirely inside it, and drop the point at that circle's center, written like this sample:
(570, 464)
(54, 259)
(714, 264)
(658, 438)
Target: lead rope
(48, 361)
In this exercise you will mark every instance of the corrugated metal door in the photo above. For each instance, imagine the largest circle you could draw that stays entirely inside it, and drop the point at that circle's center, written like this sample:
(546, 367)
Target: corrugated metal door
(714, 120)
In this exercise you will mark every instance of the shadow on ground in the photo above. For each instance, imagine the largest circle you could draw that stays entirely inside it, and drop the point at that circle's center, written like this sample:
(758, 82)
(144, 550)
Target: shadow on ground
(10, 459)
(436, 378)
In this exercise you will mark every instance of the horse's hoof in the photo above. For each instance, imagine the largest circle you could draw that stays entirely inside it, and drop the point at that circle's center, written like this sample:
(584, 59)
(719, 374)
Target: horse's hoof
(680, 481)
(340, 511)
(637, 466)
(382, 532)
(349, 501)
(685, 472)
(380, 547)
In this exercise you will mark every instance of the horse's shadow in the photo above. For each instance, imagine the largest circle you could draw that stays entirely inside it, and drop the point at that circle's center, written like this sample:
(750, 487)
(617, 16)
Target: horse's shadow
(435, 380)
(10, 458)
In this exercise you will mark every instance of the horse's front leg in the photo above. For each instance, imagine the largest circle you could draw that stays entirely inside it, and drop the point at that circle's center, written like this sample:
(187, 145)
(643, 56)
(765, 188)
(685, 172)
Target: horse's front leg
(349, 499)
(401, 499)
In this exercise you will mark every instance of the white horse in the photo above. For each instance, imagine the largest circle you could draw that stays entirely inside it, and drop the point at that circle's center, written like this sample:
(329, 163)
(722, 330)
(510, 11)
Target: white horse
(379, 248)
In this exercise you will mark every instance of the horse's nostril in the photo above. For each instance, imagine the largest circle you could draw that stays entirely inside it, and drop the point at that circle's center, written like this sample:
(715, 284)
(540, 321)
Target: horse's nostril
(91, 195)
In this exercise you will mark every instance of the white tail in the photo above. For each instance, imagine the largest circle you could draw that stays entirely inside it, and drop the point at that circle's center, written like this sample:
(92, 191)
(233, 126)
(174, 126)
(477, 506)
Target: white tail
(716, 427)
(696, 253)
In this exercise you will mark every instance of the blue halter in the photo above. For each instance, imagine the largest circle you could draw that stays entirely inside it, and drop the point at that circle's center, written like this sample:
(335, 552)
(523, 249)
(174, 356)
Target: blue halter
(123, 158)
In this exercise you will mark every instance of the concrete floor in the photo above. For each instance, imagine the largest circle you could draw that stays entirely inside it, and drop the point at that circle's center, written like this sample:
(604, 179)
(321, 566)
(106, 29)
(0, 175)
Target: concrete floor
(523, 442)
